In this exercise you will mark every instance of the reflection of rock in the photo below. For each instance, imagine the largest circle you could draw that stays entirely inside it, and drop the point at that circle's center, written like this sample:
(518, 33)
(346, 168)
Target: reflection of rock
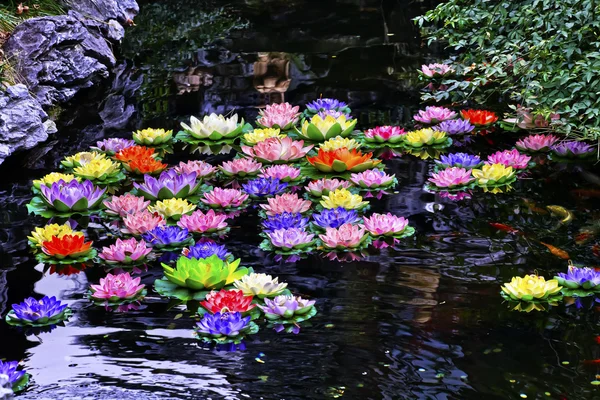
(116, 113)
(272, 75)
(192, 79)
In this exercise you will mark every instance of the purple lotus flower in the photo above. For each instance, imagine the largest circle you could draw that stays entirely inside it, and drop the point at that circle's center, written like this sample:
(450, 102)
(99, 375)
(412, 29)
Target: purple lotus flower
(455, 126)
(334, 114)
(327, 105)
(113, 145)
(166, 235)
(72, 196)
(286, 306)
(47, 310)
(262, 187)
(586, 278)
(205, 250)
(290, 238)
(434, 115)
(168, 185)
(335, 217)
(284, 221)
(222, 324)
(462, 160)
(9, 368)
(572, 149)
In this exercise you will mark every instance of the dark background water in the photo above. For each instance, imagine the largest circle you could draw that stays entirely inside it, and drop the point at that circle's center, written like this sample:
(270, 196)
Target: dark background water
(423, 321)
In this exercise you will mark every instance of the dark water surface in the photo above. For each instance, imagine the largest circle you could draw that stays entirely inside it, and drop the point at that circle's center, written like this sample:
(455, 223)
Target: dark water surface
(423, 321)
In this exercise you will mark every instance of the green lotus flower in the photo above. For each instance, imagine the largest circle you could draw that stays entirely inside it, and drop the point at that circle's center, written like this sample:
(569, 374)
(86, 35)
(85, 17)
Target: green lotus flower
(205, 273)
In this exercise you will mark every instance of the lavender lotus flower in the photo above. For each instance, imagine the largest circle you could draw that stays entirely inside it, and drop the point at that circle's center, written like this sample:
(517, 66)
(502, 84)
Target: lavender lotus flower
(113, 145)
(434, 115)
(579, 278)
(46, 311)
(222, 324)
(166, 235)
(205, 250)
(573, 149)
(455, 126)
(334, 114)
(461, 160)
(263, 187)
(72, 196)
(335, 217)
(168, 185)
(290, 238)
(284, 221)
(9, 369)
(327, 105)
(286, 306)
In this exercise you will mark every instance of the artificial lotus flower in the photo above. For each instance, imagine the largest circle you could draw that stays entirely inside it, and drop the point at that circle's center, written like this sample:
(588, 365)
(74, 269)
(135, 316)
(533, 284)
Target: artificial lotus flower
(224, 325)
(260, 285)
(214, 127)
(339, 142)
(141, 166)
(510, 158)
(227, 301)
(331, 113)
(335, 217)
(461, 160)
(205, 273)
(319, 129)
(284, 220)
(152, 137)
(287, 202)
(385, 134)
(46, 233)
(536, 143)
(451, 177)
(129, 251)
(277, 150)
(172, 208)
(125, 204)
(202, 169)
(132, 153)
(531, 288)
(434, 115)
(285, 173)
(579, 278)
(573, 149)
(98, 170)
(385, 224)
(372, 178)
(141, 222)
(343, 198)
(81, 158)
(52, 177)
(15, 377)
(67, 246)
(241, 167)
(166, 235)
(168, 185)
(436, 70)
(425, 137)
(455, 126)
(45, 311)
(323, 186)
(224, 198)
(72, 196)
(199, 222)
(205, 250)
(260, 135)
(347, 236)
(321, 105)
(113, 145)
(279, 116)
(479, 117)
(263, 187)
(342, 160)
(117, 288)
(286, 306)
(290, 238)
(493, 174)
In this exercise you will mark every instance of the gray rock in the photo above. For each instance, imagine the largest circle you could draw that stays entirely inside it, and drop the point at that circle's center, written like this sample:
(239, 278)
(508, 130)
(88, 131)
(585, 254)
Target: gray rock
(116, 114)
(121, 10)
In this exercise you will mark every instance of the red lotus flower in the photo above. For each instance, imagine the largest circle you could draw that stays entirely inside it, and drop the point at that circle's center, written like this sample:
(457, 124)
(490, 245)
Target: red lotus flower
(479, 117)
(66, 246)
(341, 160)
(228, 300)
(135, 153)
(147, 165)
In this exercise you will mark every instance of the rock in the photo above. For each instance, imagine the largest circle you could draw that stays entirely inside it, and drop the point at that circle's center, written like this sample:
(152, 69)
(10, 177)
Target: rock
(121, 10)
(21, 121)
(115, 113)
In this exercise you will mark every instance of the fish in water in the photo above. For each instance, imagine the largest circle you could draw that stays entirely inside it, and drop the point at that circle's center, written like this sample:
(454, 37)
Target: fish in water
(560, 253)
(505, 228)
(567, 216)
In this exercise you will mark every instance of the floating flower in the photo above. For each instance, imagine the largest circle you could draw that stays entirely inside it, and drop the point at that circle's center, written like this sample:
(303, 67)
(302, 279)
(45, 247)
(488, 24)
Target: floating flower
(347, 236)
(325, 185)
(436, 70)
(285, 173)
(335, 217)
(168, 185)
(493, 174)
(163, 236)
(277, 150)
(461, 160)
(263, 187)
(49, 179)
(125, 204)
(228, 301)
(531, 288)
(286, 306)
(202, 169)
(260, 135)
(536, 143)
(141, 222)
(152, 137)
(342, 160)
(214, 127)
(205, 250)
(479, 117)
(510, 158)
(172, 208)
(81, 158)
(372, 178)
(72, 196)
(343, 198)
(260, 285)
(117, 288)
(67, 246)
(290, 238)
(573, 149)
(98, 170)
(320, 105)
(287, 202)
(224, 325)
(16, 379)
(44, 234)
(241, 167)
(451, 177)
(455, 127)
(133, 153)
(385, 134)
(205, 273)
(339, 142)
(284, 220)
(129, 251)
(434, 115)
(319, 129)
(330, 113)
(143, 166)
(281, 116)
(112, 145)
(385, 224)
(45, 311)
(224, 198)
(425, 137)
(579, 278)
(199, 222)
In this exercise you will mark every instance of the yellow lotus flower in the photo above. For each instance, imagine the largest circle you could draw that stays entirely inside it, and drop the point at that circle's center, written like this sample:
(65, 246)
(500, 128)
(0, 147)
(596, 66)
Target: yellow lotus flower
(531, 287)
(98, 169)
(152, 137)
(172, 208)
(320, 129)
(52, 177)
(339, 142)
(260, 135)
(260, 285)
(343, 198)
(45, 233)
(493, 174)
(425, 137)
(82, 158)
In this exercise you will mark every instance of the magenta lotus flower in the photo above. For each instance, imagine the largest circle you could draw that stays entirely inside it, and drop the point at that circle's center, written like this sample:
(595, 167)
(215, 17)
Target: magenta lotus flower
(451, 177)
(141, 222)
(287, 202)
(434, 115)
(323, 186)
(277, 150)
(381, 134)
(116, 288)
(371, 178)
(282, 116)
(285, 173)
(125, 252)
(201, 168)
(200, 222)
(536, 143)
(510, 158)
(436, 70)
(224, 198)
(347, 236)
(290, 238)
(241, 167)
(385, 224)
(125, 204)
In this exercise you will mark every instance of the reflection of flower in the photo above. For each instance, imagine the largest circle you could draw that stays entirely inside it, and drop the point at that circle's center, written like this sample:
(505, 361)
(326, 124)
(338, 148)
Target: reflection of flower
(586, 278)
(166, 235)
(285, 173)
(339, 142)
(455, 126)
(573, 149)
(72, 196)
(168, 185)
(535, 143)
(115, 288)
(320, 129)
(347, 236)
(125, 204)
(286, 306)
(152, 137)
(479, 117)
(325, 185)
(222, 324)
(205, 250)
(342, 160)
(493, 174)
(531, 287)
(260, 285)
(262, 187)
(290, 238)
(43, 234)
(335, 217)
(510, 158)
(282, 116)
(125, 251)
(47, 310)
(372, 178)
(287, 202)
(434, 115)
(425, 137)
(224, 198)
(9, 369)
(201, 168)
(172, 208)
(462, 160)
(451, 177)
(200, 222)
(381, 134)
(228, 301)
(204, 273)
(343, 198)
(385, 224)
(71, 246)
(259, 135)
(277, 150)
(213, 127)
(141, 222)
(241, 167)
(284, 221)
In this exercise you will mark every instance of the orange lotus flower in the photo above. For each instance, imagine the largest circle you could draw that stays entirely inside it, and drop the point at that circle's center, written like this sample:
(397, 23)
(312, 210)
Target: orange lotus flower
(479, 117)
(135, 153)
(341, 160)
(66, 246)
(147, 165)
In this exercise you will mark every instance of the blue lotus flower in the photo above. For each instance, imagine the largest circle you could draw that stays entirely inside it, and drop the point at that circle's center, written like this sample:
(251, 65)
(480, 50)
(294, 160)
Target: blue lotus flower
(455, 126)
(587, 278)
(207, 249)
(327, 105)
(284, 221)
(261, 187)
(9, 368)
(166, 235)
(45, 310)
(335, 217)
(222, 324)
(462, 160)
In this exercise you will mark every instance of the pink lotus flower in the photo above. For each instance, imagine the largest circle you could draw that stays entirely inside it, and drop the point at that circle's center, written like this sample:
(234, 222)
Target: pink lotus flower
(434, 115)
(125, 204)
(141, 222)
(451, 177)
(371, 178)
(385, 134)
(241, 167)
(536, 143)
(125, 252)
(277, 150)
(202, 169)
(200, 222)
(385, 224)
(435, 70)
(282, 116)
(287, 202)
(285, 173)
(323, 186)
(117, 287)
(347, 236)
(224, 198)
(510, 158)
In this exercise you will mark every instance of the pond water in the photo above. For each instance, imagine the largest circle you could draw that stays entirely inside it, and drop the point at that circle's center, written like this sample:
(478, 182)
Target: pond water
(423, 320)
